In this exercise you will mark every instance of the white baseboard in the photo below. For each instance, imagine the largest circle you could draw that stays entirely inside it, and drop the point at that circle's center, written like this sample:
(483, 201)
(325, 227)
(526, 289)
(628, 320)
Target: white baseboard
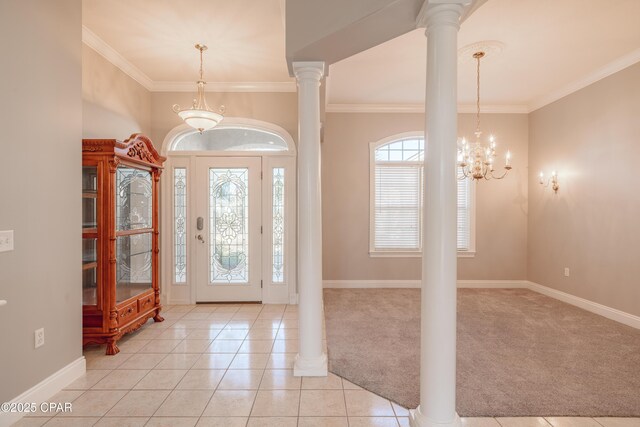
(178, 302)
(492, 284)
(359, 284)
(477, 284)
(293, 299)
(608, 312)
(46, 389)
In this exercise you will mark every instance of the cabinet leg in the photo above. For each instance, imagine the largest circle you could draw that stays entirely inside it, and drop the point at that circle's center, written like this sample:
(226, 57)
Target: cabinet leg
(157, 317)
(112, 348)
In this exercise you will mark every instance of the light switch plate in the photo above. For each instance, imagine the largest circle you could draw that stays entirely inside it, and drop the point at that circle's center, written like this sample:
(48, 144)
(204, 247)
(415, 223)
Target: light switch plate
(6, 240)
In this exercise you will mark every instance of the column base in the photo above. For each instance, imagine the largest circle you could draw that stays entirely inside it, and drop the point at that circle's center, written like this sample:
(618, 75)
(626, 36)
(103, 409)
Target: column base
(417, 419)
(315, 367)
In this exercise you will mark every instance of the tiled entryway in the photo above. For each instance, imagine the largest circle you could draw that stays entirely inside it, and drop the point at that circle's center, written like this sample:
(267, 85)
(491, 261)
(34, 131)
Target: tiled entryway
(230, 366)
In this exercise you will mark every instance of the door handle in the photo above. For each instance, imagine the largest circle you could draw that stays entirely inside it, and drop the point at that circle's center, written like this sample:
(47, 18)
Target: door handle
(199, 237)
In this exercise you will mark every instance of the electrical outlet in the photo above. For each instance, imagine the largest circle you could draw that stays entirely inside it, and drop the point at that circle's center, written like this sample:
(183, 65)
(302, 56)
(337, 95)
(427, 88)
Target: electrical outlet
(566, 272)
(6, 241)
(39, 337)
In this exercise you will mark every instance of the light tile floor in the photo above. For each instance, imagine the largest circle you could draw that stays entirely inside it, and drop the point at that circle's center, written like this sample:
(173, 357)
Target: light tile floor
(230, 366)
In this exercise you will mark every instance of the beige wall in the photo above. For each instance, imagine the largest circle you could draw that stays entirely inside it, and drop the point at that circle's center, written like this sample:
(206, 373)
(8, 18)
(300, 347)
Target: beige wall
(501, 214)
(278, 108)
(40, 181)
(113, 104)
(591, 225)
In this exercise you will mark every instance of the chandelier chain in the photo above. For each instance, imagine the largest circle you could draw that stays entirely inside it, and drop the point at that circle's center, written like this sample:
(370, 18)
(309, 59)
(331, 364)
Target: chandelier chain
(478, 94)
(201, 72)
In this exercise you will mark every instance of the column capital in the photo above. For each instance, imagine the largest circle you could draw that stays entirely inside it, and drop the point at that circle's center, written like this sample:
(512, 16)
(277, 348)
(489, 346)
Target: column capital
(308, 70)
(441, 12)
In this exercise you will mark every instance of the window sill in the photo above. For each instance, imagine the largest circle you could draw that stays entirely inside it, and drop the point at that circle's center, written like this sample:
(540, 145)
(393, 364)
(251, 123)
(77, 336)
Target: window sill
(394, 254)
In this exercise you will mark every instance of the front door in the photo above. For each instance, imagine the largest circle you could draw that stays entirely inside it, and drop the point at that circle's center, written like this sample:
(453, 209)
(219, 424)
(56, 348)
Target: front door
(228, 229)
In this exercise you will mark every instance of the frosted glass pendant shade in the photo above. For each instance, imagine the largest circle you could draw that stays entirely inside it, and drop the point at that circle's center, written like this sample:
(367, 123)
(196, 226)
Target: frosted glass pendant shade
(200, 119)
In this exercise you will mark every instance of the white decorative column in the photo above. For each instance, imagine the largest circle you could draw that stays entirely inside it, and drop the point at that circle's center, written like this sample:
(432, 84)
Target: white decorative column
(439, 259)
(311, 359)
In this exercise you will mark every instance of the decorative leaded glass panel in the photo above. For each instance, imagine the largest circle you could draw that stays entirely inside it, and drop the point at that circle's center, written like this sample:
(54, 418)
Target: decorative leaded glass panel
(180, 230)
(229, 225)
(278, 225)
(133, 199)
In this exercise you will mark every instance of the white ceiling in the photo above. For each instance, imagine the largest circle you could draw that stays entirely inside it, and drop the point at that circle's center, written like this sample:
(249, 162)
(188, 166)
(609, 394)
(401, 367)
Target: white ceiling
(548, 45)
(551, 47)
(245, 37)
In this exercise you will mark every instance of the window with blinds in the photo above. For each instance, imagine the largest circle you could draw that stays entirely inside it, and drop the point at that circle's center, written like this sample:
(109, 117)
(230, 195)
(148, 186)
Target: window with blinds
(396, 208)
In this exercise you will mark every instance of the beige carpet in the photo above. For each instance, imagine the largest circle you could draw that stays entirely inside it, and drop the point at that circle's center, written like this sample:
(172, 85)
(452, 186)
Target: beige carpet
(519, 353)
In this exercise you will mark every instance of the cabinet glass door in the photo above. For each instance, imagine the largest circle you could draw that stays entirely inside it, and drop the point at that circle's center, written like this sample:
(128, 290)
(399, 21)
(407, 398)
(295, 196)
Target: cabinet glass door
(89, 271)
(133, 260)
(89, 197)
(134, 205)
(90, 240)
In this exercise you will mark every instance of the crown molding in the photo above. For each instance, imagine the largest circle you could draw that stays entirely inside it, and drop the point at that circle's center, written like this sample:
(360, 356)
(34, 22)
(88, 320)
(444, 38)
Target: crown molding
(599, 74)
(419, 108)
(110, 54)
(92, 40)
(225, 86)
(494, 109)
(375, 108)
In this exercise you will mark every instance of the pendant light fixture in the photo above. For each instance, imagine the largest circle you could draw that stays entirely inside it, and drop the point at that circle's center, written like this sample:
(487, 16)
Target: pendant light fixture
(200, 116)
(476, 161)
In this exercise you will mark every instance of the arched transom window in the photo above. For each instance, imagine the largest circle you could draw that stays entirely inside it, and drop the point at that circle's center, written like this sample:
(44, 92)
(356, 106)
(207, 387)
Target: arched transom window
(231, 139)
(396, 205)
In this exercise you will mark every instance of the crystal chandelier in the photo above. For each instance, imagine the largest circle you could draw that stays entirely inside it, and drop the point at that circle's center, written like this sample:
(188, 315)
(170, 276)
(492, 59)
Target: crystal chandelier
(200, 116)
(476, 161)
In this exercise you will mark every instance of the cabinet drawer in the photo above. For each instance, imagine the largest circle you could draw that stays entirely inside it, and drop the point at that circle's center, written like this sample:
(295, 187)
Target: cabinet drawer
(127, 312)
(145, 303)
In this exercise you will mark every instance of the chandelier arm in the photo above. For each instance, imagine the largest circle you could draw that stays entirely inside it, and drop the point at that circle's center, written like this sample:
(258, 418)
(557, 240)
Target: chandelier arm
(464, 173)
(487, 174)
(501, 176)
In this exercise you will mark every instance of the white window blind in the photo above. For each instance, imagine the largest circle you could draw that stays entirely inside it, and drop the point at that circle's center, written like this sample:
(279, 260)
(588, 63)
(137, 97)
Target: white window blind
(397, 207)
(464, 218)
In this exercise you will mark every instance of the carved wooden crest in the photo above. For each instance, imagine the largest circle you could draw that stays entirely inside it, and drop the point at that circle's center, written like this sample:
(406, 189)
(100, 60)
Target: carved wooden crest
(137, 148)
(140, 151)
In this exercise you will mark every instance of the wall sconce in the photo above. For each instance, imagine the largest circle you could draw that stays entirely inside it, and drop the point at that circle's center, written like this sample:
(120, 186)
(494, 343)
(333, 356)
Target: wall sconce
(553, 181)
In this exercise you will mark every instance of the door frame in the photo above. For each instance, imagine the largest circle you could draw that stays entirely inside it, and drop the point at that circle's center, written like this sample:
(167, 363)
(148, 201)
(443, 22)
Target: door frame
(272, 293)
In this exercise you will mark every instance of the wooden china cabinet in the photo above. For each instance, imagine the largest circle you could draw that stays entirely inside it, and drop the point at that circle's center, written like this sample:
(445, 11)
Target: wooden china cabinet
(120, 289)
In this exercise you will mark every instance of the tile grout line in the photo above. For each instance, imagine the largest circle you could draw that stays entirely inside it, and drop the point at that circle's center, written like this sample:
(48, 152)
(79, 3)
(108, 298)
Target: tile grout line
(344, 397)
(171, 391)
